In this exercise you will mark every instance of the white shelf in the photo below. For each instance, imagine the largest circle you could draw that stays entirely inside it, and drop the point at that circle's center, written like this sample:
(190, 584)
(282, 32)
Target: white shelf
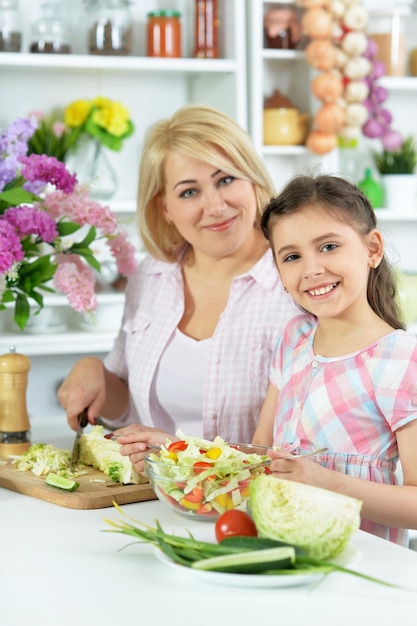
(280, 55)
(44, 62)
(69, 342)
(399, 83)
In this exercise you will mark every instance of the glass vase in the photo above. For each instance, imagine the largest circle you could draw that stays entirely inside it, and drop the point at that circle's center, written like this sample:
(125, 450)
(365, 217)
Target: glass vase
(92, 166)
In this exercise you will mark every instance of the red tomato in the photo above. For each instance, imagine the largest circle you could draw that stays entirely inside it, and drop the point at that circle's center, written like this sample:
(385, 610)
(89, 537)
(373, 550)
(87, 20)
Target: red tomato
(200, 466)
(196, 495)
(177, 445)
(235, 523)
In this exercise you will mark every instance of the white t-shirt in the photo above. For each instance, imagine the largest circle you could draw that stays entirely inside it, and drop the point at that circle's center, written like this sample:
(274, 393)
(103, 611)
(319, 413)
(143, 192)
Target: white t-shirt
(177, 390)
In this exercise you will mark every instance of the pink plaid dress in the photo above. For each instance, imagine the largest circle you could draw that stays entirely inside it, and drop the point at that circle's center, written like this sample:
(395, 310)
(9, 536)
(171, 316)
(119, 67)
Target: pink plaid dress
(351, 404)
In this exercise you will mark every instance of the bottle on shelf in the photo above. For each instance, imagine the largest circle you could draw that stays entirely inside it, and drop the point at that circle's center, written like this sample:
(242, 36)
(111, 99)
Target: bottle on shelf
(164, 34)
(49, 33)
(109, 27)
(206, 29)
(10, 33)
(372, 189)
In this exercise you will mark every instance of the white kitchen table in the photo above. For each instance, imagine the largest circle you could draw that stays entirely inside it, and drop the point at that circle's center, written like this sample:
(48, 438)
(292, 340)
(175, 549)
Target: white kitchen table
(58, 567)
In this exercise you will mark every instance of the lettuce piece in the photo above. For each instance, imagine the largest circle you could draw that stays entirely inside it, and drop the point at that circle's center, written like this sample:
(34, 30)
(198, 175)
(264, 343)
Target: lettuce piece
(319, 521)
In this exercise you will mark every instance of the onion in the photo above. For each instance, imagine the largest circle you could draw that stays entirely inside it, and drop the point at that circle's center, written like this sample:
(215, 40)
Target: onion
(372, 129)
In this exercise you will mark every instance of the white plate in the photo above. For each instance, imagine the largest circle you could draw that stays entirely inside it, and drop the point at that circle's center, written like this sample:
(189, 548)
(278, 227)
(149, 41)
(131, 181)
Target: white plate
(351, 555)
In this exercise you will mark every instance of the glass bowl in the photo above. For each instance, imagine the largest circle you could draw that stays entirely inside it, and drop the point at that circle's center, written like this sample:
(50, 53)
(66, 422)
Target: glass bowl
(203, 488)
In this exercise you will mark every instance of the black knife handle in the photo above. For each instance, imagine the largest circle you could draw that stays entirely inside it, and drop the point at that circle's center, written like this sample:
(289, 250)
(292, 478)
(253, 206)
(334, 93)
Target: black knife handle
(83, 419)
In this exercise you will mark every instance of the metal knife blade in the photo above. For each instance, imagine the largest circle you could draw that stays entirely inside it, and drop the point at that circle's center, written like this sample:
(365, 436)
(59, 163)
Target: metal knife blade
(82, 423)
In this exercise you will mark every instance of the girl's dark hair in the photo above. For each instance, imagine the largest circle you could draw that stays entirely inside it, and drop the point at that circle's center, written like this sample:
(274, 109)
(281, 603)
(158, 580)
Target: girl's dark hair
(352, 206)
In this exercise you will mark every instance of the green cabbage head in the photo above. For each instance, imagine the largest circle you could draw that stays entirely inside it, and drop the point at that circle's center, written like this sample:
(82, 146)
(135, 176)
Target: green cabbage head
(319, 521)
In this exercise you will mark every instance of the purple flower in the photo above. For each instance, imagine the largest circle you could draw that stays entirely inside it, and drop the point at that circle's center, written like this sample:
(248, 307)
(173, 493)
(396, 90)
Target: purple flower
(32, 221)
(39, 167)
(10, 248)
(13, 143)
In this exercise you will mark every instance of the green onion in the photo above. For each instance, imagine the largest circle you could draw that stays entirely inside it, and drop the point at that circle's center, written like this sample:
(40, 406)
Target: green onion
(186, 550)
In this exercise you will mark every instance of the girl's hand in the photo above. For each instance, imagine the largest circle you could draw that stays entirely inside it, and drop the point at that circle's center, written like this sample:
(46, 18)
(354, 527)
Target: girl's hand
(136, 441)
(289, 467)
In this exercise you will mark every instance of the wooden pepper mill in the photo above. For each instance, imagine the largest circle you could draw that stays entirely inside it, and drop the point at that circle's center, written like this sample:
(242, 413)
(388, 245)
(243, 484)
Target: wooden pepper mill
(14, 419)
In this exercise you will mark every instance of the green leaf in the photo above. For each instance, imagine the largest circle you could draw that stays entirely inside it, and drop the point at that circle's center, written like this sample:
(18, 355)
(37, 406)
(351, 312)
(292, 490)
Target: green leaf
(39, 264)
(89, 238)
(67, 228)
(35, 295)
(91, 260)
(21, 311)
(15, 197)
(8, 296)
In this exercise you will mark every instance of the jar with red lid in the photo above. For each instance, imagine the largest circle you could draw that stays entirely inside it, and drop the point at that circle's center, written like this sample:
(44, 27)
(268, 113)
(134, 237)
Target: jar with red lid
(206, 29)
(164, 34)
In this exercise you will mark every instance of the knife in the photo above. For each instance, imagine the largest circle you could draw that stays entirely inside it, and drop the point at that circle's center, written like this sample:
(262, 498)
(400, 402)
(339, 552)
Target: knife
(82, 423)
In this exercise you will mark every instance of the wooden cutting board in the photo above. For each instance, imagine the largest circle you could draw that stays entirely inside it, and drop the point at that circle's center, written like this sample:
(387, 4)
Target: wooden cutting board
(89, 495)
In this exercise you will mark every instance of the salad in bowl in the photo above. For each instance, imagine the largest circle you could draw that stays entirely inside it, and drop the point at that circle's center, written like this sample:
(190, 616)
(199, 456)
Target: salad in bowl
(203, 479)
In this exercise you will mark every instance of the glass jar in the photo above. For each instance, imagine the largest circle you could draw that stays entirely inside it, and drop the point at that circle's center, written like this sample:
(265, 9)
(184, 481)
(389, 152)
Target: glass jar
(109, 27)
(281, 27)
(164, 34)
(389, 29)
(49, 34)
(206, 29)
(10, 34)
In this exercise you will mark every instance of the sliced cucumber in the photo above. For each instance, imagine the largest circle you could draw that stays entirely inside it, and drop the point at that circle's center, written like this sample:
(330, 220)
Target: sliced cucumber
(253, 562)
(54, 480)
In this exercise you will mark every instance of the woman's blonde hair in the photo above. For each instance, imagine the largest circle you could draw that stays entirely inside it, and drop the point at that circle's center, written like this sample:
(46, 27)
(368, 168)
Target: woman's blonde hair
(204, 133)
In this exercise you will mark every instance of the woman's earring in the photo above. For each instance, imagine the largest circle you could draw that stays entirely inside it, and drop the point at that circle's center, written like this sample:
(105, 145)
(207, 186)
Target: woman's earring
(284, 289)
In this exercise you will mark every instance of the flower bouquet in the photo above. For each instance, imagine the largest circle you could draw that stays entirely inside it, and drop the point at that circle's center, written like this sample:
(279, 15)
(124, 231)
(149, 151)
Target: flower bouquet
(103, 119)
(48, 224)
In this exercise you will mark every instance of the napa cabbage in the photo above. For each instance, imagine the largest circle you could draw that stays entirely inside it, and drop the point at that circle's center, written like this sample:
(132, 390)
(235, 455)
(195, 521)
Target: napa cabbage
(317, 520)
(104, 455)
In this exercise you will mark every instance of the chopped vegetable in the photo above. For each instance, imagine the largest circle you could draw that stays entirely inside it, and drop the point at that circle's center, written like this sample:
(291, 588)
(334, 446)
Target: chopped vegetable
(54, 480)
(42, 458)
(201, 477)
(321, 522)
(103, 454)
(255, 562)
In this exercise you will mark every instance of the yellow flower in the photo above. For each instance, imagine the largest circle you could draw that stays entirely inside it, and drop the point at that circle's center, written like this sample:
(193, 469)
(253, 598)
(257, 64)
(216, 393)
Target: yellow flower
(76, 114)
(112, 116)
(101, 118)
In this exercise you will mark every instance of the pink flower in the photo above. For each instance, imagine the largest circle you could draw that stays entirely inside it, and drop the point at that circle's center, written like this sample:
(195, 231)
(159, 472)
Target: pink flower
(76, 280)
(58, 128)
(124, 253)
(39, 167)
(81, 209)
(10, 248)
(32, 221)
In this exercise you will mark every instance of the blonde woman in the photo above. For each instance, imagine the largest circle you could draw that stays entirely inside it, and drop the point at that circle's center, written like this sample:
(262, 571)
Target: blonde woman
(205, 307)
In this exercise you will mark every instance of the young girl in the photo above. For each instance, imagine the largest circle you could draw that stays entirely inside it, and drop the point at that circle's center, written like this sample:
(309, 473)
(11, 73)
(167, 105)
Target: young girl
(344, 374)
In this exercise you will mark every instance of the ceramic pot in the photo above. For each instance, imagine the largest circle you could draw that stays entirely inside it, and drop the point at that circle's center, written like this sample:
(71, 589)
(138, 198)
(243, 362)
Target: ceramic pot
(285, 127)
(400, 192)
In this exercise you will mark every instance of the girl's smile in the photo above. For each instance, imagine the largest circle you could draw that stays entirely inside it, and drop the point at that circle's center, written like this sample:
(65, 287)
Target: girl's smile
(323, 261)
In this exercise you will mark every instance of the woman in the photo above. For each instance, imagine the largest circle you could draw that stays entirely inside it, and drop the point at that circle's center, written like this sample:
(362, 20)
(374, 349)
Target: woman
(205, 307)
